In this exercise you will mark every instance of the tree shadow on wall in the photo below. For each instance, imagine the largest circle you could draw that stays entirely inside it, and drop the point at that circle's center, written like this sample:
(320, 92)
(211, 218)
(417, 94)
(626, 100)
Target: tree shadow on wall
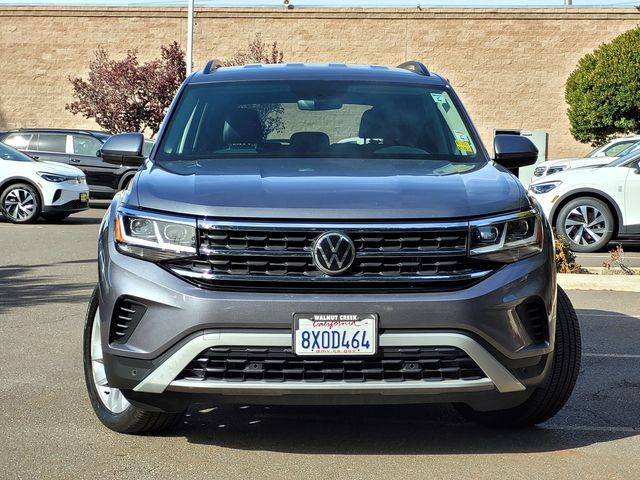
(3, 119)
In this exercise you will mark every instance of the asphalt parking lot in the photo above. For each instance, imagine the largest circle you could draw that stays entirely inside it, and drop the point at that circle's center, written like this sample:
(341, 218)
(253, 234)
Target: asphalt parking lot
(48, 429)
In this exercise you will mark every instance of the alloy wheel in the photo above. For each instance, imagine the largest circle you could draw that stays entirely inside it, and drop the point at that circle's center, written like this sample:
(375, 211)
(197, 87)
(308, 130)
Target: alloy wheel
(111, 398)
(585, 225)
(19, 204)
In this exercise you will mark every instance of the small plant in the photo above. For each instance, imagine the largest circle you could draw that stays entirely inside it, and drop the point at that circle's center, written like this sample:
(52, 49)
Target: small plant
(565, 258)
(618, 261)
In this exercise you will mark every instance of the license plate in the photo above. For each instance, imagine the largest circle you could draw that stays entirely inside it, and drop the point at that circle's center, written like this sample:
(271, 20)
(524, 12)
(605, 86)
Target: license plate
(84, 197)
(335, 334)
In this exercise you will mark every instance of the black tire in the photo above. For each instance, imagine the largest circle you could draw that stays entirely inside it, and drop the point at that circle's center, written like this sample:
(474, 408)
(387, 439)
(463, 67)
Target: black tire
(18, 197)
(132, 419)
(585, 241)
(549, 399)
(55, 216)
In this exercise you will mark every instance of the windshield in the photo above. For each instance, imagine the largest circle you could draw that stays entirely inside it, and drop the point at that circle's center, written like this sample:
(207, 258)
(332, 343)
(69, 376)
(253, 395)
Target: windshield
(634, 147)
(317, 119)
(8, 153)
(627, 158)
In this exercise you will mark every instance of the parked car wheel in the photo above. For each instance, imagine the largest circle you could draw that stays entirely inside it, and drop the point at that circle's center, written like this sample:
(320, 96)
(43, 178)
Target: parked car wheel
(587, 223)
(20, 203)
(546, 401)
(110, 405)
(55, 217)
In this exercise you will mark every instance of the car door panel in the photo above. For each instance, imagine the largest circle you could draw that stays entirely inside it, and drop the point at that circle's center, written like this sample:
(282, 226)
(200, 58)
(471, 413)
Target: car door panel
(100, 175)
(49, 147)
(631, 212)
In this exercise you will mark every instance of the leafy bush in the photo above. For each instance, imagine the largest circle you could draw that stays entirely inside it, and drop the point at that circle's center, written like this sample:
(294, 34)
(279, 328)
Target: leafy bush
(125, 95)
(603, 92)
(565, 258)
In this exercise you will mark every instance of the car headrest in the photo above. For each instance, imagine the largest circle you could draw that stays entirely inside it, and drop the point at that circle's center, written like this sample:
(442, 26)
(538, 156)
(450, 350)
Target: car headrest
(373, 124)
(309, 142)
(242, 126)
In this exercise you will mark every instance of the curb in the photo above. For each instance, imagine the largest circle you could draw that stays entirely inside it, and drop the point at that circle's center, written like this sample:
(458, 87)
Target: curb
(619, 283)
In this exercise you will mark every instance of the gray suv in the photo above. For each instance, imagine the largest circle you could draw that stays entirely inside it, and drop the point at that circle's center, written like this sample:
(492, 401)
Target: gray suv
(325, 234)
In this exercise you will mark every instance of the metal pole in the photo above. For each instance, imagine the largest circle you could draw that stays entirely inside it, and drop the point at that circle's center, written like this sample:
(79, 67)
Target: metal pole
(568, 2)
(190, 36)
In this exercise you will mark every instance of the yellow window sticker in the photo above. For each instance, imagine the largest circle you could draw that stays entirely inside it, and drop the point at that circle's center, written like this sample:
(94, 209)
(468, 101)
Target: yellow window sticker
(464, 146)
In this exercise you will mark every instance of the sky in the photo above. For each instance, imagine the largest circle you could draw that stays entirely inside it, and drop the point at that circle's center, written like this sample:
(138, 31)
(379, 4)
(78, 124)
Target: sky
(332, 3)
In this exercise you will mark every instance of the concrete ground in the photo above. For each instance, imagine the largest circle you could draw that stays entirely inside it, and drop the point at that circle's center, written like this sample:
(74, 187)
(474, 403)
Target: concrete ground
(48, 430)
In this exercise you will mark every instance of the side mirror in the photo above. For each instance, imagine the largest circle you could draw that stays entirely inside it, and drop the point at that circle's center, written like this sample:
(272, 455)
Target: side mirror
(123, 149)
(514, 151)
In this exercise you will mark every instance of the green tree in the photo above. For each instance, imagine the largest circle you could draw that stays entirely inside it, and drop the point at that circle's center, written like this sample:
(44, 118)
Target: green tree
(603, 92)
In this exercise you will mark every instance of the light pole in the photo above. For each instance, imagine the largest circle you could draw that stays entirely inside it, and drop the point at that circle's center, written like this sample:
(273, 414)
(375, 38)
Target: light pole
(190, 36)
(568, 2)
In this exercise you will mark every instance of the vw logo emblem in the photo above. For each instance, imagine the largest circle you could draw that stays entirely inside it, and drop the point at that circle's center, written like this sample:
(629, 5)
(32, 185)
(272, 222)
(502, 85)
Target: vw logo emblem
(333, 253)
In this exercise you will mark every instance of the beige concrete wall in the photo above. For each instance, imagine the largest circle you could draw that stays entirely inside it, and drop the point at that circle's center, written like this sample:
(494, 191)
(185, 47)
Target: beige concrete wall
(508, 65)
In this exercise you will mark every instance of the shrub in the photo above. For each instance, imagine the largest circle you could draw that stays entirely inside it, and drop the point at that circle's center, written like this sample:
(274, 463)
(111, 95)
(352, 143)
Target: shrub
(125, 95)
(603, 92)
(565, 258)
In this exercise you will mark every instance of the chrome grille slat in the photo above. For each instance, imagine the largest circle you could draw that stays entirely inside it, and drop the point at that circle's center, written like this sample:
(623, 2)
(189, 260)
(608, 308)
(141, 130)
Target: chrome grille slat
(278, 255)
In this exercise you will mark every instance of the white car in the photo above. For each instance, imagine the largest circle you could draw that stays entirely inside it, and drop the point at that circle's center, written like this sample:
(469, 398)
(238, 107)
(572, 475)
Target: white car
(591, 206)
(603, 155)
(30, 188)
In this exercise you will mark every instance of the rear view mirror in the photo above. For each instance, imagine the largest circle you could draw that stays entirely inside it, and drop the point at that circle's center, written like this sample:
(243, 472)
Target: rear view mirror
(123, 149)
(318, 104)
(514, 151)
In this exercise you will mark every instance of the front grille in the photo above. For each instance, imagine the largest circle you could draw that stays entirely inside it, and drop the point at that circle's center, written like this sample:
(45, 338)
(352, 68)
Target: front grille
(279, 364)
(279, 257)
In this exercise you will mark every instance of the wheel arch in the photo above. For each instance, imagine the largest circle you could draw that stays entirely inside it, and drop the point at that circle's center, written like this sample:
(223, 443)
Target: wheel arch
(126, 177)
(587, 192)
(7, 182)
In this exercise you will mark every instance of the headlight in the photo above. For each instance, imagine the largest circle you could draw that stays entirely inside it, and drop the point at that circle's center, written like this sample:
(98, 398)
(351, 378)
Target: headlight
(559, 168)
(154, 237)
(507, 239)
(82, 180)
(54, 177)
(546, 187)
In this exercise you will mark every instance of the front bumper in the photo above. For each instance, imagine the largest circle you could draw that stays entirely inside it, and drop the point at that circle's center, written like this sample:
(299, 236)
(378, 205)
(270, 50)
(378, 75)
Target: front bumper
(64, 197)
(182, 320)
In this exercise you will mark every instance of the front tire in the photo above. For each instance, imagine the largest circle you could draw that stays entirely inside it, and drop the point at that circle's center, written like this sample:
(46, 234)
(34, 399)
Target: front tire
(20, 203)
(587, 223)
(111, 407)
(549, 399)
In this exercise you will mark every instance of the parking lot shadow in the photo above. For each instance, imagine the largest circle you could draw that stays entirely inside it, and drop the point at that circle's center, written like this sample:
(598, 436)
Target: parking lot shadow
(20, 286)
(380, 430)
(604, 407)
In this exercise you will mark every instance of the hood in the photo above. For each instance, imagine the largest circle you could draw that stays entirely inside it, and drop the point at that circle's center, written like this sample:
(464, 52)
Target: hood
(330, 189)
(573, 174)
(60, 168)
(580, 162)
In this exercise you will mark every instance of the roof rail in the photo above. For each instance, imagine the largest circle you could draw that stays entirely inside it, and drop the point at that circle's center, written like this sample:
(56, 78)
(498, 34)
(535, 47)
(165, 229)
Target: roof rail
(417, 67)
(212, 65)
